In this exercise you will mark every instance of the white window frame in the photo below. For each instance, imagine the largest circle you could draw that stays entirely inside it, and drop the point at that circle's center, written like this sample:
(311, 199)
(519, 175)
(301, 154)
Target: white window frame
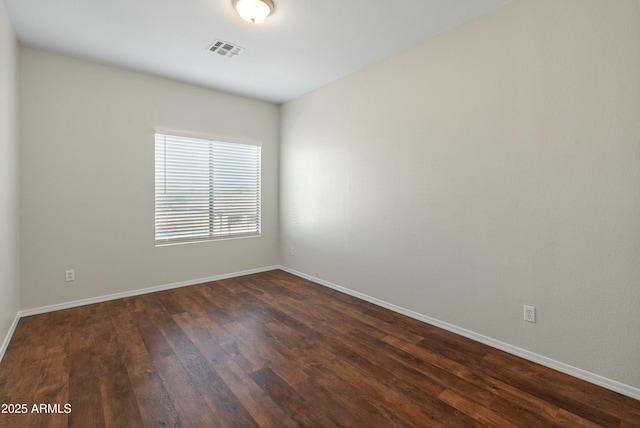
(205, 189)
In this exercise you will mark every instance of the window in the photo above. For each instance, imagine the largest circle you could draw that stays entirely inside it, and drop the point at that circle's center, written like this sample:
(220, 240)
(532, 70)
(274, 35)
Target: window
(205, 189)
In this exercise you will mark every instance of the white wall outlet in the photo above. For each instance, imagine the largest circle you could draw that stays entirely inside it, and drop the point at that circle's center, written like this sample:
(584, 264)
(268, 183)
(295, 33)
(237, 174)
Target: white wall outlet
(292, 251)
(529, 313)
(69, 275)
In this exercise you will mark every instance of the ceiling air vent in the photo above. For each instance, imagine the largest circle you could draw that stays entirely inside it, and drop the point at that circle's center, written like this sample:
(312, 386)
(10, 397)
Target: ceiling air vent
(225, 48)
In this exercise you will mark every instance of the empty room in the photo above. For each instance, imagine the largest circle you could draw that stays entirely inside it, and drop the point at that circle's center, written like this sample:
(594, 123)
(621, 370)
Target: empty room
(364, 213)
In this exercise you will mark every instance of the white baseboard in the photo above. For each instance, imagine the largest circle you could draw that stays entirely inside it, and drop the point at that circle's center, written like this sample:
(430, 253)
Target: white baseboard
(7, 339)
(602, 381)
(99, 299)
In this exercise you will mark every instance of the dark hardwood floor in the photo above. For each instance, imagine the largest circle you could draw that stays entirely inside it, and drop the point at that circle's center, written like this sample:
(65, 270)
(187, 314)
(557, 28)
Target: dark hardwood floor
(274, 350)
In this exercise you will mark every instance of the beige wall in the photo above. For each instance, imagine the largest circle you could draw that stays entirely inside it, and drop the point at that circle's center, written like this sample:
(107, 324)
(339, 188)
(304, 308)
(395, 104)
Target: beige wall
(9, 223)
(493, 166)
(87, 172)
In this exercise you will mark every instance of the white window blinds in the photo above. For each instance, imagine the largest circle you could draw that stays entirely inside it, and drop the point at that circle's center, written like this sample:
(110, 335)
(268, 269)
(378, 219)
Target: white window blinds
(205, 189)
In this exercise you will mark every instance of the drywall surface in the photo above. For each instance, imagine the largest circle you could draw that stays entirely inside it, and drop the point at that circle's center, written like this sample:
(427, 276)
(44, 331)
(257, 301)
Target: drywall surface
(87, 170)
(9, 202)
(494, 166)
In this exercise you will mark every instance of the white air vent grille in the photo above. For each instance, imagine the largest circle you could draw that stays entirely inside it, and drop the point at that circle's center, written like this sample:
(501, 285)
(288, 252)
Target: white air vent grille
(225, 48)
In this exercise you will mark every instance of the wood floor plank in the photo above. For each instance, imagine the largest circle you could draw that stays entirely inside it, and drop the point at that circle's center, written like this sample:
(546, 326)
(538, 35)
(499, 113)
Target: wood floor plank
(174, 366)
(153, 401)
(274, 350)
(262, 409)
(186, 399)
(84, 373)
(347, 312)
(478, 412)
(53, 389)
(337, 353)
(576, 396)
(118, 399)
(227, 408)
(310, 358)
(327, 403)
(300, 410)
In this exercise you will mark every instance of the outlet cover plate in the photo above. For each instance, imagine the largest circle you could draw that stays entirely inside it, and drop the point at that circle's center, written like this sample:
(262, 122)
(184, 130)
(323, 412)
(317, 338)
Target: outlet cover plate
(529, 313)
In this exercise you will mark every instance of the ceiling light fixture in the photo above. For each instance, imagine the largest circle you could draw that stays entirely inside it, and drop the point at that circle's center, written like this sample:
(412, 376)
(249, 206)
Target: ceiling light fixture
(253, 11)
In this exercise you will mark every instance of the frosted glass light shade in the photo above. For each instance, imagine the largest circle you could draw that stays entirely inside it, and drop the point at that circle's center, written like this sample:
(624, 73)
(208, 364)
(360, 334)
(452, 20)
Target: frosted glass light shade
(254, 11)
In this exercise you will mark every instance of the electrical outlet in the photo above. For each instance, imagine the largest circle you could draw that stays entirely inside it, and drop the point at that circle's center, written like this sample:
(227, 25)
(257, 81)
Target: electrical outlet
(529, 313)
(69, 275)
(292, 251)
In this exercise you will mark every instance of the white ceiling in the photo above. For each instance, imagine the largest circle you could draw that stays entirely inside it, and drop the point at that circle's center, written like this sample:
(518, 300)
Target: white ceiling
(305, 44)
